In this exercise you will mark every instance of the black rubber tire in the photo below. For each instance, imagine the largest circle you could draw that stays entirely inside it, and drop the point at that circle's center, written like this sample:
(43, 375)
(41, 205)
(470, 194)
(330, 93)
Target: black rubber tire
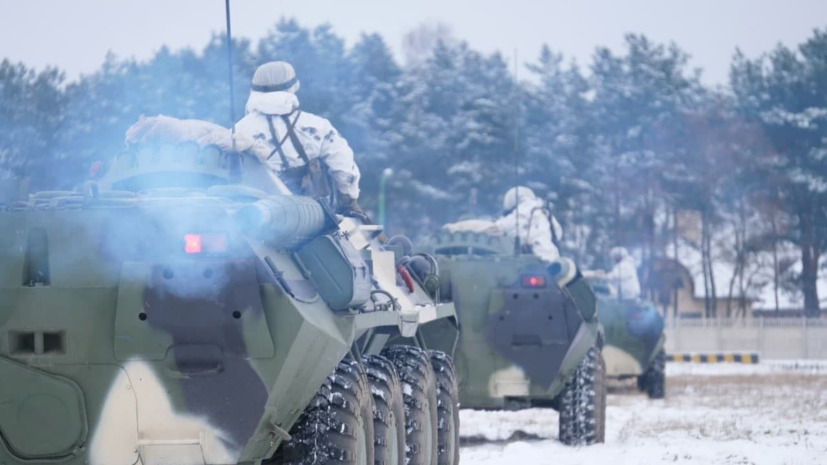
(388, 411)
(337, 425)
(583, 403)
(447, 408)
(655, 377)
(420, 396)
(600, 391)
(641, 382)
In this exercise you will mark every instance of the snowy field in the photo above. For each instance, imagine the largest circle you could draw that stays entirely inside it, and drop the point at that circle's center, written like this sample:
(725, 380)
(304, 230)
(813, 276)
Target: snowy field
(772, 413)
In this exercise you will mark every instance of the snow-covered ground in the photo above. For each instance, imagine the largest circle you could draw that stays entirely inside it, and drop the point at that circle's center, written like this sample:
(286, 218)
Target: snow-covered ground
(771, 413)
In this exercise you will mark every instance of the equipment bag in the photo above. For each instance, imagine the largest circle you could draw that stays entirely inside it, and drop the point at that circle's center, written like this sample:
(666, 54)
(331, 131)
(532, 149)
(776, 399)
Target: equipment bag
(338, 271)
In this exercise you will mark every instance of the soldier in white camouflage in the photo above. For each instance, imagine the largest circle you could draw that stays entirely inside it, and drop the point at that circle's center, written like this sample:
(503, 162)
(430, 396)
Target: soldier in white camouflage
(307, 152)
(526, 216)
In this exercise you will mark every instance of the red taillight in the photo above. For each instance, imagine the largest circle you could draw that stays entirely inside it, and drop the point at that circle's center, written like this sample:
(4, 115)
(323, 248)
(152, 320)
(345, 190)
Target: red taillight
(534, 281)
(210, 243)
(192, 243)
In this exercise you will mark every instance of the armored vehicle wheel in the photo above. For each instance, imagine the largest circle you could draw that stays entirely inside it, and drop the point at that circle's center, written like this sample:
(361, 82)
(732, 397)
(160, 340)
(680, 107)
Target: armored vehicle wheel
(420, 396)
(337, 425)
(583, 403)
(389, 411)
(447, 408)
(654, 380)
(600, 397)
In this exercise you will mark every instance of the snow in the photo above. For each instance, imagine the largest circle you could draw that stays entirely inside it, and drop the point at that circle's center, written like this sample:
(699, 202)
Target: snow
(429, 191)
(812, 182)
(807, 119)
(471, 170)
(377, 392)
(770, 413)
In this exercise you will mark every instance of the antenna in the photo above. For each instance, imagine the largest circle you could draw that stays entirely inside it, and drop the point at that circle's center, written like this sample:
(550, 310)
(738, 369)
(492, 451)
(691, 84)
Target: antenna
(235, 169)
(230, 67)
(517, 247)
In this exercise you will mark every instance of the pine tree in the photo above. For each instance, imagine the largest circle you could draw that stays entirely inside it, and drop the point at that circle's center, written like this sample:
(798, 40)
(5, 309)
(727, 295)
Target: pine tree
(455, 133)
(785, 93)
(558, 161)
(638, 98)
(318, 56)
(369, 122)
(32, 113)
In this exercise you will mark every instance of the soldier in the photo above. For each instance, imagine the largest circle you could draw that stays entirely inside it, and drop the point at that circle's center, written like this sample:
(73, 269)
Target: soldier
(304, 149)
(525, 215)
(623, 276)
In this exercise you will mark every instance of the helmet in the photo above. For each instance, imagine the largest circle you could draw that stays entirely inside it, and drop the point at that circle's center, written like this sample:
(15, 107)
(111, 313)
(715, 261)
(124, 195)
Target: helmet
(618, 253)
(514, 194)
(276, 76)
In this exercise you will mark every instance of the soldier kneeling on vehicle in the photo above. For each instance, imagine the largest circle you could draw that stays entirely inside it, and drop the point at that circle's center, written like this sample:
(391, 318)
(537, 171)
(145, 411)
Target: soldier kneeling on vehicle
(623, 276)
(526, 216)
(306, 151)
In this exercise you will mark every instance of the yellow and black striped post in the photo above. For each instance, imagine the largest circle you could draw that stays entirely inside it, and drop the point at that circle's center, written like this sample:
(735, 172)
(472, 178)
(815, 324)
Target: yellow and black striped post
(746, 358)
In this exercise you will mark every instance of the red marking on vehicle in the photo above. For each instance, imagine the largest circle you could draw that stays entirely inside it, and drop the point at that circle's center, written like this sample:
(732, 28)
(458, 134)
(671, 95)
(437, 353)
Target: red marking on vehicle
(192, 243)
(406, 277)
(534, 281)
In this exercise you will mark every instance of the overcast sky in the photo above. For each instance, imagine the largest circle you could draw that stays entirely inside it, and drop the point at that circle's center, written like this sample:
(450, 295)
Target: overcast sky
(76, 35)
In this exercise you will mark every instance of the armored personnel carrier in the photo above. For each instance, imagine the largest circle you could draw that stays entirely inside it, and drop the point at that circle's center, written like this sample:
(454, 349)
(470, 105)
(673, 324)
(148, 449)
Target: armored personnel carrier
(530, 334)
(634, 339)
(186, 309)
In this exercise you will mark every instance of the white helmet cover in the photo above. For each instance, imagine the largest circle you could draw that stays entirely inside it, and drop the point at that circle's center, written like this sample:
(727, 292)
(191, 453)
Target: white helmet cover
(514, 194)
(618, 253)
(276, 76)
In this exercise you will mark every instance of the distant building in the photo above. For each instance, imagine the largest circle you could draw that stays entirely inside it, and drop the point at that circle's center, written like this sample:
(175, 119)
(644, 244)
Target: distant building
(672, 288)
(680, 283)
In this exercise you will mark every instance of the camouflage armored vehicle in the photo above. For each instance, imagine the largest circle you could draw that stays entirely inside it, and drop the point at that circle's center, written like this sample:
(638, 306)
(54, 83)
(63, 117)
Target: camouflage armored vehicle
(530, 334)
(634, 339)
(186, 309)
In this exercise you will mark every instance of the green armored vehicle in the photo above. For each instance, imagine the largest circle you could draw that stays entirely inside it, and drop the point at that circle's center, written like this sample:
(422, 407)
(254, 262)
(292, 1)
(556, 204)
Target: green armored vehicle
(186, 309)
(530, 334)
(634, 339)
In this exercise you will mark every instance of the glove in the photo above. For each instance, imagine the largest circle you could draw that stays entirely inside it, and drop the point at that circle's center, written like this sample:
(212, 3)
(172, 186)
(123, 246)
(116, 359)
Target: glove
(349, 204)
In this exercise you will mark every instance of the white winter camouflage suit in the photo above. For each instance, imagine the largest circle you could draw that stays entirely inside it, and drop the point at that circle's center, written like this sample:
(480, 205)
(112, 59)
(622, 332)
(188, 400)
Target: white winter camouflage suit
(529, 219)
(318, 137)
(623, 276)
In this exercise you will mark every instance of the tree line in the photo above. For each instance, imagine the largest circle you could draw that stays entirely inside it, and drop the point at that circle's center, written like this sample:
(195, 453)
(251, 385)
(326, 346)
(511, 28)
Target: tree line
(632, 149)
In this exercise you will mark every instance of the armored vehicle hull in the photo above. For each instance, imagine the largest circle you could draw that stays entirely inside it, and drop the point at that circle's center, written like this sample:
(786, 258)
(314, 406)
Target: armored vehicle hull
(169, 315)
(528, 330)
(634, 342)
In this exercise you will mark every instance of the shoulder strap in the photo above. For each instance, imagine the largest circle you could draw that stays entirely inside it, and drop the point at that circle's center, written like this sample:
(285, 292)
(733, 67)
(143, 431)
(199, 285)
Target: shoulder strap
(547, 211)
(294, 138)
(277, 143)
(530, 224)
